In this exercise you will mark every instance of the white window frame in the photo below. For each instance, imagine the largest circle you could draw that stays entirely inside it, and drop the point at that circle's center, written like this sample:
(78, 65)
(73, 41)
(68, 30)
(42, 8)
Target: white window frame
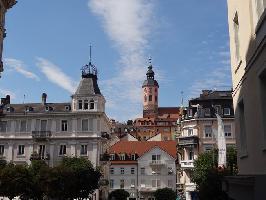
(208, 135)
(62, 150)
(64, 125)
(84, 150)
(228, 113)
(132, 170)
(21, 150)
(20, 128)
(226, 132)
(122, 170)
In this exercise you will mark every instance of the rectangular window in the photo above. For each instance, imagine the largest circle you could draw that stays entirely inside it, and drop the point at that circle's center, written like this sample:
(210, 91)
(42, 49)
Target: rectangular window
(80, 104)
(83, 150)
(132, 170)
(23, 125)
(227, 130)
(208, 131)
(122, 184)
(170, 183)
(208, 147)
(142, 171)
(111, 183)
(3, 126)
(150, 97)
(132, 183)
(2, 150)
(190, 131)
(42, 151)
(112, 170)
(122, 156)
(112, 156)
(122, 170)
(156, 183)
(227, 111)
(62, 150)
(133, 157)
(86, 105)
(218, 109)
(43, 125)
(191, 154)
(207, 112)
(85, 126)
(64, 125)
(21, 149)
(156, 157)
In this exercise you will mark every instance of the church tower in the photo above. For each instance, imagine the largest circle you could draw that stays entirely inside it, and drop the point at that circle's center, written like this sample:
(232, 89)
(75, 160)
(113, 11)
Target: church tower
(150, 90)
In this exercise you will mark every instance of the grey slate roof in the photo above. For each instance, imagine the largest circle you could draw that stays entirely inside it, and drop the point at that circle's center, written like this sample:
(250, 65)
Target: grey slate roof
(88, 86)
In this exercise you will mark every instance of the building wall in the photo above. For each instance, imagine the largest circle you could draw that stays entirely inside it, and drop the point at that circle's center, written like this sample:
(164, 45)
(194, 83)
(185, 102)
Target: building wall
(248, 83)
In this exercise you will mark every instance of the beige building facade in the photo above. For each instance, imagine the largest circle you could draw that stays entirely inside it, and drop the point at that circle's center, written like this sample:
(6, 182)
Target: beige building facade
(247, 30)
(4, 6)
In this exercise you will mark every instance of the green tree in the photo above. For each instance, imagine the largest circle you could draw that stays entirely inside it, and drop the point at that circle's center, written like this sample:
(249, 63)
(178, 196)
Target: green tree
(73, 178)
(165, 194)
(119, 194)
(208, 177)
(15, 180)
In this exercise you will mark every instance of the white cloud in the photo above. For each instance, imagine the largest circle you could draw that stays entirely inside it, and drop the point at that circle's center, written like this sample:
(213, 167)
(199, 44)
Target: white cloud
(55, 75)
(19, 67)
(4, 92)
(128, 23)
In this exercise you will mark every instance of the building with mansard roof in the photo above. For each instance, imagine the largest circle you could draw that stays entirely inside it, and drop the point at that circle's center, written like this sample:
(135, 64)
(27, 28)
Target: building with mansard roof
(50, 131)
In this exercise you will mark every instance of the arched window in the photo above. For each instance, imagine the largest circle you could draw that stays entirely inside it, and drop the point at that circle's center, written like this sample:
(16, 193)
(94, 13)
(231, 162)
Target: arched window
(91, 104)
(145, 98)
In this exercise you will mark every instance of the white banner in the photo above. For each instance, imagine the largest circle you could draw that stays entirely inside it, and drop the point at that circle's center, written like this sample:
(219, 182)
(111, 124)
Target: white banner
(221, 143)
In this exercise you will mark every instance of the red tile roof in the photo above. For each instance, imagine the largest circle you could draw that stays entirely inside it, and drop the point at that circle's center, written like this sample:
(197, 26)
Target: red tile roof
(141, 147)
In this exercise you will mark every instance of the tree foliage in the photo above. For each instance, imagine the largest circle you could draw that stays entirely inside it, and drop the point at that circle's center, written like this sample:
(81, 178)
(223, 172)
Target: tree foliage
(119, 194)
(208, 177)
(73, 178)
(165, 194)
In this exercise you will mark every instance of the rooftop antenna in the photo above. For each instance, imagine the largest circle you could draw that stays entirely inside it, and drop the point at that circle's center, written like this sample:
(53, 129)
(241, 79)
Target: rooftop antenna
(90, 53)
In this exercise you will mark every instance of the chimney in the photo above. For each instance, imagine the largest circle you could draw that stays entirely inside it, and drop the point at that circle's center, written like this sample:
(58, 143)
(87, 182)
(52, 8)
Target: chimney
(7, 99)
(44, 97)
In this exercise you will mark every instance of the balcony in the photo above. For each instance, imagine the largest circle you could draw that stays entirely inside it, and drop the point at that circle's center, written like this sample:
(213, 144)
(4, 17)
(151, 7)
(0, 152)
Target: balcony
(187, 163)
(157, 162)
(188, 141)
(41, 135)
(146, 188)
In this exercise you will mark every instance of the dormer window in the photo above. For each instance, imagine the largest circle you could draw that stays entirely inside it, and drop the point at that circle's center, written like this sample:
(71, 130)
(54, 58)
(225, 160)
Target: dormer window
(10, 109)
(67, 108)
(122, 156)
(80, 104)
(226, 111)
(207, 112)
(112, 156)
(133, 156)
(86, 105)
(92, 104)
(29, 109)
(48, 108)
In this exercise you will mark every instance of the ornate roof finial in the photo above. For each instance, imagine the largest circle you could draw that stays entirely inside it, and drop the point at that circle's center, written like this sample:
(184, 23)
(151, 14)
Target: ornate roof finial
(89, 69)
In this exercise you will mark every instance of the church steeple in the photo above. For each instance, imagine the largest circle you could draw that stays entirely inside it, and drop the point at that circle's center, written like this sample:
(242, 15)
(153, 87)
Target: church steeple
(150, 93)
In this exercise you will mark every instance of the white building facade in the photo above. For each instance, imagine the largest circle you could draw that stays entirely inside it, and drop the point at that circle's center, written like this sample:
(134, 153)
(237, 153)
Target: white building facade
(141, 167)
(50, 131)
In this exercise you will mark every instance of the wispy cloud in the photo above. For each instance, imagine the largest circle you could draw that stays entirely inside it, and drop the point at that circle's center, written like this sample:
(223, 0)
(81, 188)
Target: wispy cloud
(4, 92)
(55, 75)
(128, 23)
(19, 66)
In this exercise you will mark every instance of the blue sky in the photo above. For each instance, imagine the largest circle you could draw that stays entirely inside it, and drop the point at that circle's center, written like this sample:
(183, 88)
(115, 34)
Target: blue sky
(48, 42)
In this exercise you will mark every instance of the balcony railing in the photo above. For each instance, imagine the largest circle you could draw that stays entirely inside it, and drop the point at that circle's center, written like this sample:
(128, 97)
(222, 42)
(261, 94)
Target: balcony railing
(189, 140)
(187, 163)
(157, 162)
(41, 134)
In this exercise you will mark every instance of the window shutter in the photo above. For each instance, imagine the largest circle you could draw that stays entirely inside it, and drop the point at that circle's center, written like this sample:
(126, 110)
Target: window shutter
(49, 125)
(57, 125)
(69, 128)
(37, 125)
(8, 128)
(28, 125)
(90, 124)
(79, 124)
(17, 126)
